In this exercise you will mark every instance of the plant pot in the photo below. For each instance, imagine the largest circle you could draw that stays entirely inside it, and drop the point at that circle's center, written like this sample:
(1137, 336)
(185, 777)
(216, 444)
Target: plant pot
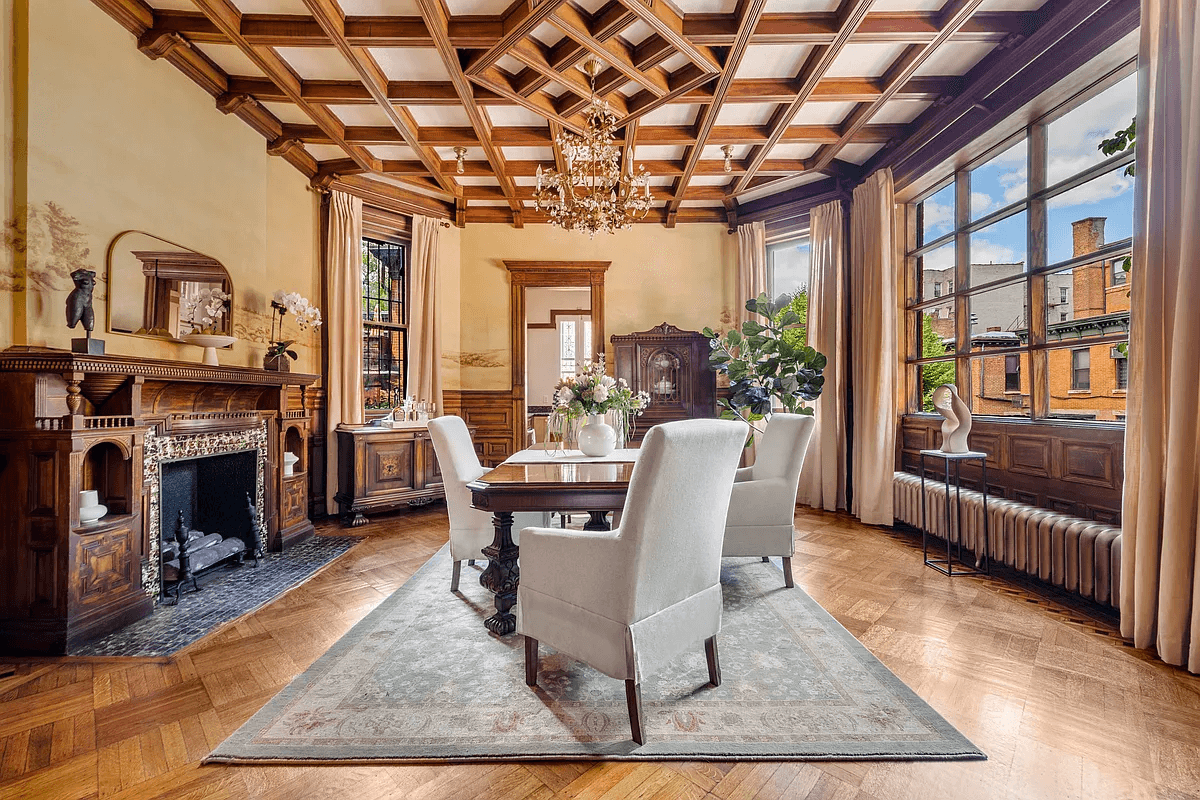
(210, 342)
(597, 437)
(279, 363)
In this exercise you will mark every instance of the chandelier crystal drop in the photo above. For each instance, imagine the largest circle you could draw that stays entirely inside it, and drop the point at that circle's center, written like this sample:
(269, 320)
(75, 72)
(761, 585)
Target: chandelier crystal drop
(593, 194)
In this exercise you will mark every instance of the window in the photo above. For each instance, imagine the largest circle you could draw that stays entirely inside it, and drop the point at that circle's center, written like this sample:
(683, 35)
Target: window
(1012, 373)
(788, 267)
(572, 353)
(1122, 365)
(1013, 224)
(385, 328)
(1081, 370)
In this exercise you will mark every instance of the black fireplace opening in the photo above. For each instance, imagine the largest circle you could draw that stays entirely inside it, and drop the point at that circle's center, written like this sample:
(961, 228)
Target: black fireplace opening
(211, 491)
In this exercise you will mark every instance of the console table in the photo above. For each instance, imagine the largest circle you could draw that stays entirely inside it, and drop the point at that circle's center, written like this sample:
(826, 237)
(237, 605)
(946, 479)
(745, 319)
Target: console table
(382, 469)
(953, 528)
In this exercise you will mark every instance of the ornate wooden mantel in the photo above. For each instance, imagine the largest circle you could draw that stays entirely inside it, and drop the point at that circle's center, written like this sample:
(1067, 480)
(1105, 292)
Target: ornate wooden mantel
(74, 422)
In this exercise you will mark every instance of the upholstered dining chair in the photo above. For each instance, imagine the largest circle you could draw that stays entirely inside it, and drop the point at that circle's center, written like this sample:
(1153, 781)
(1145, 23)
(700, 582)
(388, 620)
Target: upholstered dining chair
(762, 505)
(471, 529)
(629, 600)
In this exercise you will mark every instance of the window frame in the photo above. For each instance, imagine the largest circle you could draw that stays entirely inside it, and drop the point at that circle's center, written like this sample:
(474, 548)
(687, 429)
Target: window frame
(1076, 384)
(1035, 342)
(400, 327)
(791, 237)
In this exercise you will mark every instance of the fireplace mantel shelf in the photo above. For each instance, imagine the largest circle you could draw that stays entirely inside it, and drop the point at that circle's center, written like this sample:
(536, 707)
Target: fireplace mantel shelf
(45, 359)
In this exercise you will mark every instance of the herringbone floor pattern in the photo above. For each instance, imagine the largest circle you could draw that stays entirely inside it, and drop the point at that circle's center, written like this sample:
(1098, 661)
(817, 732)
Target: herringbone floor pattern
(1063, 709)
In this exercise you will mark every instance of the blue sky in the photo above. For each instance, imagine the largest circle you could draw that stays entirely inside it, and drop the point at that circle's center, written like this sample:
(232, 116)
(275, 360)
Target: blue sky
(1072, 144)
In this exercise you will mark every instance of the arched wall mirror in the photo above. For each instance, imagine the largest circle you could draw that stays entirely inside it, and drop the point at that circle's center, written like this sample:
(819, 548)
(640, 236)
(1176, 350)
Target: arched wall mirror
(149, 279)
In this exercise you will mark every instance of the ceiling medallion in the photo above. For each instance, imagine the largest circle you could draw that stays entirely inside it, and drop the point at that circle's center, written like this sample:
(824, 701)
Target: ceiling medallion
(592, 194)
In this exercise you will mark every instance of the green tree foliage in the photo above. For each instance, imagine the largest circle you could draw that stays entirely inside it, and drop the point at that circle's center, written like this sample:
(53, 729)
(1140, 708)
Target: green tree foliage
(933, 375)
(797, 335)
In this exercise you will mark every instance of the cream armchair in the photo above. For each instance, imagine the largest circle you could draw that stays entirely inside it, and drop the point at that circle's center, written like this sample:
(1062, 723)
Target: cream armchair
(630, 600)
(762, 506)
(471, 530)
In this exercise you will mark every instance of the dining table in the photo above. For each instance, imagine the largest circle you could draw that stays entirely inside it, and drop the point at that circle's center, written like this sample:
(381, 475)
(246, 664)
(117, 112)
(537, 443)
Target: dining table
(543, 479)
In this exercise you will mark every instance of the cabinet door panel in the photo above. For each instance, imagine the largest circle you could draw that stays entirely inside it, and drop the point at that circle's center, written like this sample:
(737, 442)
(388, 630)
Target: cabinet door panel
(389, 467)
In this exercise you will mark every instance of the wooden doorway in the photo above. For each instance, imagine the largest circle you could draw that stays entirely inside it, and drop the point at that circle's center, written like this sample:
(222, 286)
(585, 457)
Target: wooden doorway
(524, 274)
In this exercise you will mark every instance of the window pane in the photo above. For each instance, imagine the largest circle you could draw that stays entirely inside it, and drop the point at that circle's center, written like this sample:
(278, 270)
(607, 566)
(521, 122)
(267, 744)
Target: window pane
(1073, 139)
(383, 366)
(998, 251)
(937, 331)
(566, 348)
(1088, 382)
(1082, 302)
(1000, 182)
(937, 214)
(1084, 219)
(931, 376)
(788, 266)
(998, 317)
(1000, 385)
(936, 271)
(382, 281)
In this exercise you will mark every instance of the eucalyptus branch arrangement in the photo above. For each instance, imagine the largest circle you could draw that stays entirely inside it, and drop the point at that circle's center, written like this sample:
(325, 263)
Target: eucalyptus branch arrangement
(766, 364)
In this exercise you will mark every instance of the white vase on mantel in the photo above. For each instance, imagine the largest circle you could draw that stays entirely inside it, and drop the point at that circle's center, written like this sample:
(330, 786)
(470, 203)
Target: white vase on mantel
(90, 509)
(597, 437)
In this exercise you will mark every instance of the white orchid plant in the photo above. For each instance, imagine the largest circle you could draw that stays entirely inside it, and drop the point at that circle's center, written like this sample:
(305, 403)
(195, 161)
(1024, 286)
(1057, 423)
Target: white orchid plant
(202, 311)
(307, 316)
(595, 392)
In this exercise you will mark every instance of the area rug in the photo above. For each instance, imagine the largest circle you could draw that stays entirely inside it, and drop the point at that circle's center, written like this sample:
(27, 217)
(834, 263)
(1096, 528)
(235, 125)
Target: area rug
(420, 679)
(226, 593)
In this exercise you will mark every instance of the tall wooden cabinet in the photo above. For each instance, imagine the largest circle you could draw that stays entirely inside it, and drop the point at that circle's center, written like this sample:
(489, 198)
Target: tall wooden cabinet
(672, 366)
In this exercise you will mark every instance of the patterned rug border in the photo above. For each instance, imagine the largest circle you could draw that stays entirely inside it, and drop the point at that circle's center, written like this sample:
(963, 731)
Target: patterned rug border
(953, 747)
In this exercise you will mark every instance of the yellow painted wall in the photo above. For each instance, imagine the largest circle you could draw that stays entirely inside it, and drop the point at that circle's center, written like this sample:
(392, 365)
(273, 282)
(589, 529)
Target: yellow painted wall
(685, 276)
(120, 142)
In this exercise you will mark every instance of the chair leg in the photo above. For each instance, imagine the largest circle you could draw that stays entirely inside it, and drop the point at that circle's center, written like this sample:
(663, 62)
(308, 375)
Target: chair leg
(531, 661)
(714, 664)
(766, 560)
(470, 562)
(787, 573)
(633, 698)
(454, 576)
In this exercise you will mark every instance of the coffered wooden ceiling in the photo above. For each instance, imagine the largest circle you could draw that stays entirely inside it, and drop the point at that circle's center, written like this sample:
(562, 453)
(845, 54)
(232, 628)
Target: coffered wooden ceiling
(374, 95)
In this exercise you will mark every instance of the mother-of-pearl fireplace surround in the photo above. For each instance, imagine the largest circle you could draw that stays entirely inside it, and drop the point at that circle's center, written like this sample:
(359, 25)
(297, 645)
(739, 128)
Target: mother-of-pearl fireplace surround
(77, 422)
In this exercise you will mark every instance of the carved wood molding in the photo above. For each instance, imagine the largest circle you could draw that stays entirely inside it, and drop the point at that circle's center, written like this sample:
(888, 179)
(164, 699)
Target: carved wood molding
(62, 361)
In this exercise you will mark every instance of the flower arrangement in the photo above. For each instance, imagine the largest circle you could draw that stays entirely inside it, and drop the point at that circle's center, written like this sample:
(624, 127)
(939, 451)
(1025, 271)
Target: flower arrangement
(200, 312)
(307, 316)
(593, 392)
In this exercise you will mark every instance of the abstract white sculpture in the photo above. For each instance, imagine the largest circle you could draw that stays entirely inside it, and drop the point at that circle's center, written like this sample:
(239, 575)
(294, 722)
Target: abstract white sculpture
(957, 425)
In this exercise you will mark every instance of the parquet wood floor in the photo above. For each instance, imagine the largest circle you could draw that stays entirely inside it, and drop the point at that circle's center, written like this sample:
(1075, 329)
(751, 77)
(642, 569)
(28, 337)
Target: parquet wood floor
(1063, 709)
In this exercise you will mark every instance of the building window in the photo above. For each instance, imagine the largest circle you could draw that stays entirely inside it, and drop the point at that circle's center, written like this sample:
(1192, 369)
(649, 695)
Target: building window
(1119, 275)
(1081, 369)
(1012, 373)
(1007, 225)
(1122, 365)
(385, 325)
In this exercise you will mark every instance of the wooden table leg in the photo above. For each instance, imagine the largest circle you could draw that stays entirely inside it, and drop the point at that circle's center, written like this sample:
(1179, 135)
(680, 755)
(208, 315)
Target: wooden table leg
(502, 575)
(597, 521)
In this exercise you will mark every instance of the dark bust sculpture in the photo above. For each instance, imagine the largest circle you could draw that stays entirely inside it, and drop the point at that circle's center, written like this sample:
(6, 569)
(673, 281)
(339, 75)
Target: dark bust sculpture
(79, 309)
(79, 302)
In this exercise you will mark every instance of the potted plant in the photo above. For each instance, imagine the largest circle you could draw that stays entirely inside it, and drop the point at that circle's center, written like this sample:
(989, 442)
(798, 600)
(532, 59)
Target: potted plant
(307, 316)
(767, 364)
(591, 394)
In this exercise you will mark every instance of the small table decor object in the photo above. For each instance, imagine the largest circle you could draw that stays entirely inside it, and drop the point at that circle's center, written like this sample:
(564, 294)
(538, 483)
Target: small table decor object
(592, 394)
(307, 316)
(953, 529)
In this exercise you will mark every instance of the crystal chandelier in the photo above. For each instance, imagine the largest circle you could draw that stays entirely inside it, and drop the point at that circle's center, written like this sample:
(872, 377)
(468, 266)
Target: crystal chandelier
(593, 194)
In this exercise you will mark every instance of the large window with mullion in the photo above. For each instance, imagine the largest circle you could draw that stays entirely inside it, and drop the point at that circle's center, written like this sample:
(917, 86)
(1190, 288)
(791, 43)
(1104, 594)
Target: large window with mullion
(1018, 267)
(384, 322)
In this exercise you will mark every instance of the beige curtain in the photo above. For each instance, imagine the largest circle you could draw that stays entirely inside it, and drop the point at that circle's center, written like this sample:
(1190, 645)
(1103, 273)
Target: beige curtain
(424, 324)
(873, 347)
(752, 266)
(343, 323)
(1160, 583)
(823, 482)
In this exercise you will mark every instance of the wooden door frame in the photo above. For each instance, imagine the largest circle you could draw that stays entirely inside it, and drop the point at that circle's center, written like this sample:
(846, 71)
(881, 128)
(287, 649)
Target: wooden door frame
(524, 274)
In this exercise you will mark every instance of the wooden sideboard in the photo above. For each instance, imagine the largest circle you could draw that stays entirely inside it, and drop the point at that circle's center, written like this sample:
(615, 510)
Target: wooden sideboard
(382, 469)
(75, 422)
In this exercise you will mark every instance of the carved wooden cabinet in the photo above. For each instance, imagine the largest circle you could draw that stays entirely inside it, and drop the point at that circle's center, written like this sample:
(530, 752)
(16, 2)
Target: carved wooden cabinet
(672, 366)
(108, 423)
(382, 469)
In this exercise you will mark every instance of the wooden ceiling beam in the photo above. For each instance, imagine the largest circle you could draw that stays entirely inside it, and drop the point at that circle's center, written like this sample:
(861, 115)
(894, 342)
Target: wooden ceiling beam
(953, 17)
(228, 20)
(608, 21)
(821, 28)
(518, 21)
(849, 16)
(750, 12)
(330, 17)
(657, 216)
(433, 12)
(613, 51)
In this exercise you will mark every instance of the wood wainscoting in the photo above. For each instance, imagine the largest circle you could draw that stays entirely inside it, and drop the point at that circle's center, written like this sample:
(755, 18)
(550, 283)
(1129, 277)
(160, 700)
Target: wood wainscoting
(490, 413)
(1075, 469)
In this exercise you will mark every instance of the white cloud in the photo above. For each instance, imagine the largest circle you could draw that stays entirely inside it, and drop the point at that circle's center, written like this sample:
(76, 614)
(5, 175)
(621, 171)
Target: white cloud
(985, 252)
(1074, 138)
(939, 217)
(981, 203)
(1105, 187)
(942, 258)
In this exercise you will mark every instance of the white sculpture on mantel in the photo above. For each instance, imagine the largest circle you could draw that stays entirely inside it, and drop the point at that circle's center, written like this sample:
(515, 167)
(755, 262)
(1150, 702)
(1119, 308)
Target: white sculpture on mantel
(957, 425)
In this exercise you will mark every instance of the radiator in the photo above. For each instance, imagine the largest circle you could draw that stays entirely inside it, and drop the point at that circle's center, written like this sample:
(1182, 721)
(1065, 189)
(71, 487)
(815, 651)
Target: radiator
(1079, 555)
